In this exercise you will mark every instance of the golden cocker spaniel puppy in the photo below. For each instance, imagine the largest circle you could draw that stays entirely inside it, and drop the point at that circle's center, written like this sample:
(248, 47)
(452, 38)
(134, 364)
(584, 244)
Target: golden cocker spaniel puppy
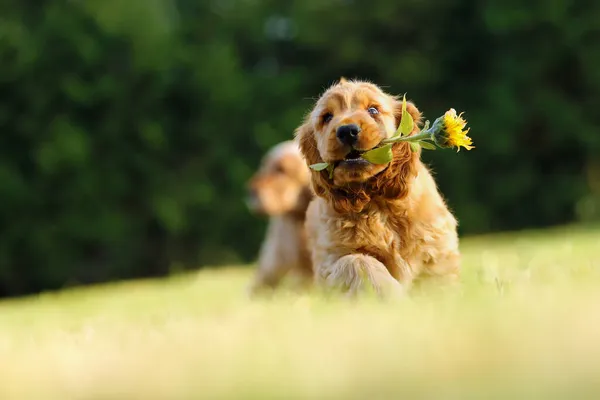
(377, 226)
(280, 189)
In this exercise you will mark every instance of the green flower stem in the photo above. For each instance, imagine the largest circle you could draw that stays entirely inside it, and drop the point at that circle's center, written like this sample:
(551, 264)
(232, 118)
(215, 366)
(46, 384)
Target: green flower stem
(427, 134)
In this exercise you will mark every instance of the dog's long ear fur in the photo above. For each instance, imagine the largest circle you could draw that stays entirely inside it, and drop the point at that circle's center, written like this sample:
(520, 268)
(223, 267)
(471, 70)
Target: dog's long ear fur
(308, 147)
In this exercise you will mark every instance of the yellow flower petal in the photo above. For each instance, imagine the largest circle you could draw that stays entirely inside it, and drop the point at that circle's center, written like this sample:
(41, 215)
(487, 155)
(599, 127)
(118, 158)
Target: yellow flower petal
(454, 132)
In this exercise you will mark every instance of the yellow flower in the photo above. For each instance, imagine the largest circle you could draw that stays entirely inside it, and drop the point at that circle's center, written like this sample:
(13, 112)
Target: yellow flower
(452, 133)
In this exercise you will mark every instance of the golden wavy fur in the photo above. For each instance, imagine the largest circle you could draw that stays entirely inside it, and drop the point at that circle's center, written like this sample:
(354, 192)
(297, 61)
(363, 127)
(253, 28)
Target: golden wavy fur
(280, 189)
(382, 226)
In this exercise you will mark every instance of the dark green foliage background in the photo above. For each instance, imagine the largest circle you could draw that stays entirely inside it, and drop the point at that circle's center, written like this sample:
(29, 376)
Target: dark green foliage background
(130, 127)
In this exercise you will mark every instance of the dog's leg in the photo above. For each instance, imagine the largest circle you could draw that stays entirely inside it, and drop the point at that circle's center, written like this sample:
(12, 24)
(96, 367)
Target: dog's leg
(268, 277)
(355, 273)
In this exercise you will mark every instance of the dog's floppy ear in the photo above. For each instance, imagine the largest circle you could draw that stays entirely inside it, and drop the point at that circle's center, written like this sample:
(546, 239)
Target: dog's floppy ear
(304, 135)
(395, 181)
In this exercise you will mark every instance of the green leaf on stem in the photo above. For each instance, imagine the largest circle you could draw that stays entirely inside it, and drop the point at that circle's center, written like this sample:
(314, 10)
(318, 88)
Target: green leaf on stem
(380, 155)
(319, 166)
(330, 170)
(406, 123)
(427, 145)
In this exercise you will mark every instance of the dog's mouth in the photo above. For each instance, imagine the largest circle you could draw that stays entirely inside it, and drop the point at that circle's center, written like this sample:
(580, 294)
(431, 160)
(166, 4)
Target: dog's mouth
(354, 155)
(353, 159)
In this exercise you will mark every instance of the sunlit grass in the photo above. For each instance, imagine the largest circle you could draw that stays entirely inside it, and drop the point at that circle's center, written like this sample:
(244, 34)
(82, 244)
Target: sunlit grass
(525, 324)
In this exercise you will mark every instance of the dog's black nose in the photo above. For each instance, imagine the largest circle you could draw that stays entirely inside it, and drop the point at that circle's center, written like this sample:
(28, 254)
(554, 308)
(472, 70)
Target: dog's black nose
(348, 134)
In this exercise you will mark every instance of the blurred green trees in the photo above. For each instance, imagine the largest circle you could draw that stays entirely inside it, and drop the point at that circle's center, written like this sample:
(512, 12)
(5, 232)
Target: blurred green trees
(130, 127)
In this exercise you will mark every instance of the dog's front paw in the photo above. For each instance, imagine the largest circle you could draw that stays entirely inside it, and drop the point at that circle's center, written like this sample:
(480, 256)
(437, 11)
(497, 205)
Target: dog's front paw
(356, 274)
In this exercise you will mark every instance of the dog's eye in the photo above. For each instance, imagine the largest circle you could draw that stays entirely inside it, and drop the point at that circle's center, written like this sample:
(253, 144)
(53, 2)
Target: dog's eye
(327, 117)
(373, 111)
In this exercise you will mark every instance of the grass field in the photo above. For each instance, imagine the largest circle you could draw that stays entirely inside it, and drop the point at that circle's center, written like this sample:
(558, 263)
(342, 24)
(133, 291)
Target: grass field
(525, 324)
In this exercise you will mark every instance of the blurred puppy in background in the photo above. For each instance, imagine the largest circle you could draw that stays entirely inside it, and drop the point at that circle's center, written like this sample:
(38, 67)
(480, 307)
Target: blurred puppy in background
(280, 189)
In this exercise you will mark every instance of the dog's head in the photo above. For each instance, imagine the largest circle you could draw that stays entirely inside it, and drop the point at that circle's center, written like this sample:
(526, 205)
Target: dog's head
(282, 183)
(350, 118)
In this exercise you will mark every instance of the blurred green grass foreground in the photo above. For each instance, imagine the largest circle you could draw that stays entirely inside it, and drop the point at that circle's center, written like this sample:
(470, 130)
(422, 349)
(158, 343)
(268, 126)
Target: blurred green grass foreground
(525, 324)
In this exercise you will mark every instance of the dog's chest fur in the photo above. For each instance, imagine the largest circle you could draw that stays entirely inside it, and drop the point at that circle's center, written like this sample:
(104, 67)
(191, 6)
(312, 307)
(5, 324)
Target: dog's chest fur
(382, 235)
(406, 243)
